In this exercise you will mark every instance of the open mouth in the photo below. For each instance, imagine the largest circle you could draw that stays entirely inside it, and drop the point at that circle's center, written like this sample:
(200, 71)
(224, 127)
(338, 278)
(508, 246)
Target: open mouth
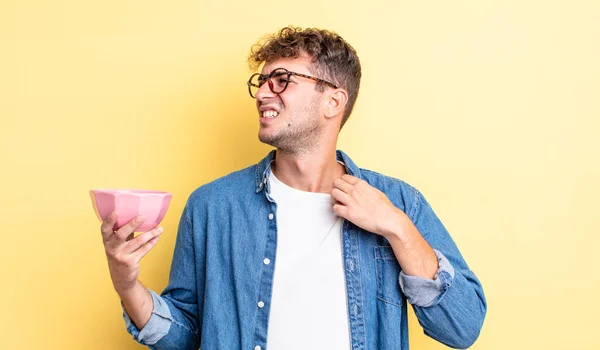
(270, 114)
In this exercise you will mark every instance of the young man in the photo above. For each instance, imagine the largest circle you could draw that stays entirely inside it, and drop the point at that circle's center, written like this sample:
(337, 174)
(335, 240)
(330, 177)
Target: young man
(303, 250)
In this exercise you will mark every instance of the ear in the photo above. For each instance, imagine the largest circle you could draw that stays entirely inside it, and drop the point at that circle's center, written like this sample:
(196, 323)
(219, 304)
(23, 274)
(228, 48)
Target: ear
(336, 103)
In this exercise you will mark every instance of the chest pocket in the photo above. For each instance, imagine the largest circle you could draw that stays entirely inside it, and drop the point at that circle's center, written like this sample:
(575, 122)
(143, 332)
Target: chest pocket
(387, 274)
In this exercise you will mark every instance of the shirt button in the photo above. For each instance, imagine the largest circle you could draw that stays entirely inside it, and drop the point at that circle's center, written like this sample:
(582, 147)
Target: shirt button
(257, 347)
(266, 261)
(261, 304)
(271, 216)
(260, 185)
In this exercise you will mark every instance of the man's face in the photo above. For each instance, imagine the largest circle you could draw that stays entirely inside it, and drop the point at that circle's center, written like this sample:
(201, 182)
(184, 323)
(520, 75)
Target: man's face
(290, 121)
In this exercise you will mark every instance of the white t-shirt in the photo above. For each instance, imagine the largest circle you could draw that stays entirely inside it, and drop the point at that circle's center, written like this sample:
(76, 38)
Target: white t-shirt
(308, 306)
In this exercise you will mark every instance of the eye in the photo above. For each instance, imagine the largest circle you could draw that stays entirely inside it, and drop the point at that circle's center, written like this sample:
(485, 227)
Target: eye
(282, 79)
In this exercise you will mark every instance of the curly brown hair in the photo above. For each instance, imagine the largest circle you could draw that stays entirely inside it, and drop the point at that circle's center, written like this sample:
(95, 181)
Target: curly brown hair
(332, 57)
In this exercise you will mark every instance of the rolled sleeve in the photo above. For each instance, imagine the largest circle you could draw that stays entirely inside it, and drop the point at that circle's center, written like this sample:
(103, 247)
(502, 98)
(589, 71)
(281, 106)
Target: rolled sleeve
(157, 326)
(424, 292)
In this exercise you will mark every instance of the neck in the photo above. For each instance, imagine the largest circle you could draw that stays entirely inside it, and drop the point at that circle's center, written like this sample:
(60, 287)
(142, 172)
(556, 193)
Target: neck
(311, 172)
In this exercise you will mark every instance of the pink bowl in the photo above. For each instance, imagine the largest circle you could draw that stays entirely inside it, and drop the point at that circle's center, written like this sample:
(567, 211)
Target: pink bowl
(152, 205)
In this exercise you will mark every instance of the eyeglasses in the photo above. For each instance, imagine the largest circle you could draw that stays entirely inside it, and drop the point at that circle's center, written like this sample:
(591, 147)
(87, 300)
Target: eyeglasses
(278, 81)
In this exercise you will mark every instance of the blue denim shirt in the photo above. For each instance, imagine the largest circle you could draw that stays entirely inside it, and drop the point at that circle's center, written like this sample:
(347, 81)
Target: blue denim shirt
(224, 262)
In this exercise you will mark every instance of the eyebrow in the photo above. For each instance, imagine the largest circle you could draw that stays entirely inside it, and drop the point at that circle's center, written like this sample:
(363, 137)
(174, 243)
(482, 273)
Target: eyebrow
(272, 70)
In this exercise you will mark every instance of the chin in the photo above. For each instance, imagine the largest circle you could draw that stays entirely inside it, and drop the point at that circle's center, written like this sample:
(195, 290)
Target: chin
(267, 139)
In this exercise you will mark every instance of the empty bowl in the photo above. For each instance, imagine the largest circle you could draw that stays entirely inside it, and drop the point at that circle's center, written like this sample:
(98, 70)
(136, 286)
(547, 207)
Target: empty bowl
(152, 205)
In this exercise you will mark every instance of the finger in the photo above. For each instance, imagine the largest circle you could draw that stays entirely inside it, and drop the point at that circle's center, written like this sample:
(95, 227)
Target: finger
(340, 210)
(350, 179)
(129, 228)
(143, 250)
(144, 238)
(343, 185)
(340, 196)
(109, 224)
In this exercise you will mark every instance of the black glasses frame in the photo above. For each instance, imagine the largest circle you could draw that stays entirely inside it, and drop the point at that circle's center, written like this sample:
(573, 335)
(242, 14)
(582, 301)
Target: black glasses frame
(277, 72)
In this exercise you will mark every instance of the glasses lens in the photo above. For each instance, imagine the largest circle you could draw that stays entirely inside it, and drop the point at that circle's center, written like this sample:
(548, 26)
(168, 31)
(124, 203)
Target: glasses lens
(256, 80)
(280, 79)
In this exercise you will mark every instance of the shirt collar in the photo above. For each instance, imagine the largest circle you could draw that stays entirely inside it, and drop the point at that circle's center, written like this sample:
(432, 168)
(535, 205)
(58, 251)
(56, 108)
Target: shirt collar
(263, 168)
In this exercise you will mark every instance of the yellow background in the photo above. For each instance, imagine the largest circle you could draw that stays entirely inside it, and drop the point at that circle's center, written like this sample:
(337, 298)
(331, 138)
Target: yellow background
(490, 108)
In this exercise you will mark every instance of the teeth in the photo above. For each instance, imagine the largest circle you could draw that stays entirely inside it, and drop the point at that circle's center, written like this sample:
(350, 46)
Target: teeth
(270, 114)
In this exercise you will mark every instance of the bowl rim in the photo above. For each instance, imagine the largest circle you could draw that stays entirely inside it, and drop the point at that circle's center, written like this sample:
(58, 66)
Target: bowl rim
(133, 191)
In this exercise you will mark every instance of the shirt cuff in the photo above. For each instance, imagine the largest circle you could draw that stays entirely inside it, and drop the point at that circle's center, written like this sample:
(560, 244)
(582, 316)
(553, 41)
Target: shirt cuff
(157, 326)
(424, 292)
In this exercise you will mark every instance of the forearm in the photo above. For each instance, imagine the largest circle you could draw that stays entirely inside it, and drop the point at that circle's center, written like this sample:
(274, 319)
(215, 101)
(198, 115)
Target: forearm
(138, 304)
(451, 308)
(414, 254)
(170, 320)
